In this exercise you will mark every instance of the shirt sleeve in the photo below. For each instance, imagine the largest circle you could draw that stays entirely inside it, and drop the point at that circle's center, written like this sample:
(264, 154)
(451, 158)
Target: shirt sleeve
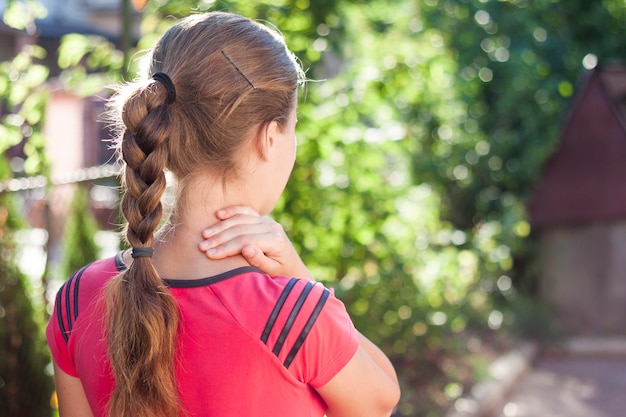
(302, 324)
(331, 342)
(59, 328)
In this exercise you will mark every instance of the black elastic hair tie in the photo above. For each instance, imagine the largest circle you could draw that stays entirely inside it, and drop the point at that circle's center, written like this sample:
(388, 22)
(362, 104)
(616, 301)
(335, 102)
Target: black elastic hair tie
(142, 252)
(165, 79)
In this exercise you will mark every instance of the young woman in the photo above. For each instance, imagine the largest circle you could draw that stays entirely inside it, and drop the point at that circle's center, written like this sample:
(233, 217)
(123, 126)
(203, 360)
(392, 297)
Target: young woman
(160, 330)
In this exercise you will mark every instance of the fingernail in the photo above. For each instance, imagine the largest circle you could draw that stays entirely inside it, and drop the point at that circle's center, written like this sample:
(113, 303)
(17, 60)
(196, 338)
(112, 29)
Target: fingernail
(211, 252)
(203, 245)
(221, 213)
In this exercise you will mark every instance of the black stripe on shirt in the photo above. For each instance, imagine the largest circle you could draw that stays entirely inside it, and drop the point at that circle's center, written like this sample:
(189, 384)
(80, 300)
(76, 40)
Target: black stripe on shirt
(68, 306)
(78, 277)
(279, 305)
(67, 288)
(292, 318)
(60, 312)
(307, 328)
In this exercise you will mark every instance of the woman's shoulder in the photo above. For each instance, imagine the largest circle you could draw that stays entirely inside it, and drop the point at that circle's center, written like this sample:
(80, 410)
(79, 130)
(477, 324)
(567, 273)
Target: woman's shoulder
(94, 274)
(286, 312)
(262, 302)
(79, 292)
(257, 291)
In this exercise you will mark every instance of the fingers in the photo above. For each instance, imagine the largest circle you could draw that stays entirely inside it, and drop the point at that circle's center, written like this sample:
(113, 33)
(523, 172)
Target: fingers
(244, 230)
(234, 240)
(237, 215)
(233, 221)
(231, 211)
(257, 258)
(227, 230)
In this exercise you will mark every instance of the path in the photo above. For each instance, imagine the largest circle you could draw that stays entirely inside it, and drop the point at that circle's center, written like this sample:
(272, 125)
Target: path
(571, 386)
(588, 381)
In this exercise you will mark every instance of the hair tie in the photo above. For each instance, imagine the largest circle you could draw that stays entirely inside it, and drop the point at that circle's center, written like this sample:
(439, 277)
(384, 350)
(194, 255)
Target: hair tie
(142, 252)
(165, 79)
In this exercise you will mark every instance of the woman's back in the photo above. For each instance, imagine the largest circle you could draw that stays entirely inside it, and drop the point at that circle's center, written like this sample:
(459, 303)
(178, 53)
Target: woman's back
(248, 344)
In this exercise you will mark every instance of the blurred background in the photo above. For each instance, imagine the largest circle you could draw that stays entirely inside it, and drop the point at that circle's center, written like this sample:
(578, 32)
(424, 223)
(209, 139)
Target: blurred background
(460, 178)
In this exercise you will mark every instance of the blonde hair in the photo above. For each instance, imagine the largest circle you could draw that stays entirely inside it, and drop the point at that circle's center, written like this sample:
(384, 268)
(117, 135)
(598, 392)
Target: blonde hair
(231, 76)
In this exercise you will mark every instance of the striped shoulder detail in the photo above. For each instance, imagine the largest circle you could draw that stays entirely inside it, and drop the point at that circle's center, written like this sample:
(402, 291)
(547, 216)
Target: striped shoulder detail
(298, 318)
(67, 303)
(277, 308)
(307, 327)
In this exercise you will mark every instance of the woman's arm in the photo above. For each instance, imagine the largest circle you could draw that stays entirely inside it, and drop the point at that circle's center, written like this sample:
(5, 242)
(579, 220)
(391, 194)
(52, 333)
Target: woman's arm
(366, 387)
(377, 355)
(71, 396)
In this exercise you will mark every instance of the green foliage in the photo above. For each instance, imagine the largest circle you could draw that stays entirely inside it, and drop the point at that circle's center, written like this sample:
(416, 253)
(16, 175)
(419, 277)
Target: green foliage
(21, 15)
(365, 199)
(25, 387)
(24, 94)
(89, 63)
(518, 63)
(79, 247)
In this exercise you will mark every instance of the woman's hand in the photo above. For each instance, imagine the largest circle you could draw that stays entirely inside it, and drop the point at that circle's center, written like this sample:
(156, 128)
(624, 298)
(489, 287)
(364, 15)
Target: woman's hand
(260, 240)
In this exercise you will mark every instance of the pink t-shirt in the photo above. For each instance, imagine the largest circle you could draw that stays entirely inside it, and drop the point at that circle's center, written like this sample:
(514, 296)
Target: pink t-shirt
(248, 344)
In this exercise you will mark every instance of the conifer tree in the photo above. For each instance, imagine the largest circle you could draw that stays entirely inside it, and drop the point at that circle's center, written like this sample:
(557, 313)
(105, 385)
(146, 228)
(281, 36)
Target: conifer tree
(79, 246)
(25, 387)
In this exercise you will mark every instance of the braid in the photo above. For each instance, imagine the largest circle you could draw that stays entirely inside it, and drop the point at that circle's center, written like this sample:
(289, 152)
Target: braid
(142, 316)
(145, 158)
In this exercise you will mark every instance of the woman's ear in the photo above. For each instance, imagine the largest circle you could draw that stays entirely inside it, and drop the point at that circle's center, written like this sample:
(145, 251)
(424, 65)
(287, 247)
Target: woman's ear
(266, 139)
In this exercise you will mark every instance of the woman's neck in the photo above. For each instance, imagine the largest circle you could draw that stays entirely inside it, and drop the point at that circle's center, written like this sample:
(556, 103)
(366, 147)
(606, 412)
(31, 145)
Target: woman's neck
(176, 253)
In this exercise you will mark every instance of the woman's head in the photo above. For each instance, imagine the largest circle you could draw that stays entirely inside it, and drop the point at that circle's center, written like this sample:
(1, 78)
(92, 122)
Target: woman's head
(231, 75)
(232, 78)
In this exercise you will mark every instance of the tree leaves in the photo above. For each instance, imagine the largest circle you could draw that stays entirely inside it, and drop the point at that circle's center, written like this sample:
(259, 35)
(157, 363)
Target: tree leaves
(21, 15)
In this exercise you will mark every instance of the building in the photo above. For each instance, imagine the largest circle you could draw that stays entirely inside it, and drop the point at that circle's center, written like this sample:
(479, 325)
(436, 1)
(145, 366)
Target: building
(579, 210)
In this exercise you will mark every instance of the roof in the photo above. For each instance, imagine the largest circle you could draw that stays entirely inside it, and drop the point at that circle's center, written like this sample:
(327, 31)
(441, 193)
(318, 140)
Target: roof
(585, 179)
